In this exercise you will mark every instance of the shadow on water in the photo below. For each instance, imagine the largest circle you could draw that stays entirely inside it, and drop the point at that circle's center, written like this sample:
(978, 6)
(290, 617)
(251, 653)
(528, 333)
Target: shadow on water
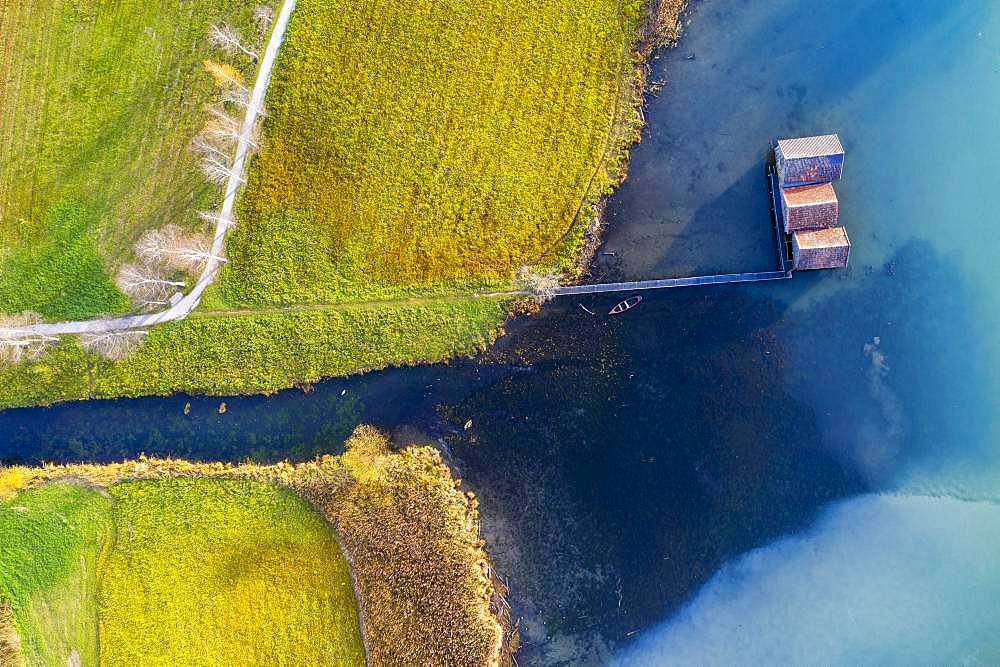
(730, 233)
(894, 365)
(743, 75)
(640, 453)
(689, 435)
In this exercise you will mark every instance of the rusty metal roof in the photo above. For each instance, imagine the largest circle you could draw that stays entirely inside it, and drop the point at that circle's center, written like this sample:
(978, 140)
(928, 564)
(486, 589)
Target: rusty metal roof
(809, 195)
(803, 147)
(832, 237)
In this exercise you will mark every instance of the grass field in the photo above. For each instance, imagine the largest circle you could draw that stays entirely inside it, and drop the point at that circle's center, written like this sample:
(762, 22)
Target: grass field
(410, 151)
(98, 104)
(427, 146)
(259, 352)
(51, 539)
(177, 571)
(224, 572)
(224, 564)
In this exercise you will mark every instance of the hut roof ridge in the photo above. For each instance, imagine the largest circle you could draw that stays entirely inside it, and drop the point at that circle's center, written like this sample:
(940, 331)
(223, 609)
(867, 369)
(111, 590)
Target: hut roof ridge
(809, 195)
(823, 238)
(806, 147)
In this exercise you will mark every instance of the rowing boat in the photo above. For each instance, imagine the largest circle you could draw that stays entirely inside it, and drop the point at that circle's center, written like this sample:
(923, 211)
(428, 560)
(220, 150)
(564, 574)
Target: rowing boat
(625, 305)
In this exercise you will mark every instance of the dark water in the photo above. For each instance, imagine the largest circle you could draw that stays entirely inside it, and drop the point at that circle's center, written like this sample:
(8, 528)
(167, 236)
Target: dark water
(624, 463)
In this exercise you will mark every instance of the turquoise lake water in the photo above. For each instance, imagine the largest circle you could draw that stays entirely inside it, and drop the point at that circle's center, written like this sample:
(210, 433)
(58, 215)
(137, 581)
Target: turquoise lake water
(802, 472)
(897, 357)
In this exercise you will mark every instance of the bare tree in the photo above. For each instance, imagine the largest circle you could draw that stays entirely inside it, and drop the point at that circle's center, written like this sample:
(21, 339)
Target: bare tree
(541, 283)
(240, 98)
(218, 171)
(114, 345)
(263, 14)
(145, 287)
(222, 127)
(169, 246)
(206, 146)
(225, 37)
(18, 342)
(214, 219)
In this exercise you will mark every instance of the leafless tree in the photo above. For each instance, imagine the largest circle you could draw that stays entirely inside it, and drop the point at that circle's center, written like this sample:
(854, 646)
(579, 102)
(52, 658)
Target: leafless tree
(228, 126)
(218, 171)
(206, 146)
(240, 98)
(18, 342)
(114, 345)
(145, 286)
(263, 15)
(169, 246)
(214, 219)
(222, 127)
(539, 282)
(225, 37)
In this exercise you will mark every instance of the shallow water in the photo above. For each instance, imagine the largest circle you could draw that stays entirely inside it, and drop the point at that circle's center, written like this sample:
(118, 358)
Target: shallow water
(622, 463)
(896, 357)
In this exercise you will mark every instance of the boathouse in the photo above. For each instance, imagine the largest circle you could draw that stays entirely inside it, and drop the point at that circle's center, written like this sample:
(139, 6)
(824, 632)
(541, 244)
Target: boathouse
(809, 160)
(821, 248)
(809, 207)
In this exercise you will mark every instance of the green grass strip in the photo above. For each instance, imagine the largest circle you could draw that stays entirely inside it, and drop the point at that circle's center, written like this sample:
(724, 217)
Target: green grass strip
(51, 539)
(224, 572)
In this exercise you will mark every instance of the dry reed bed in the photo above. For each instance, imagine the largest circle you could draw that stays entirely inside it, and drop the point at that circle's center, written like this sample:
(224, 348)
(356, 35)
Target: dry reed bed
(421, 570)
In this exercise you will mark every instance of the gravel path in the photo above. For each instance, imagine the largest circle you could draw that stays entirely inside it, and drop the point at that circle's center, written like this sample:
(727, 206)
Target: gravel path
(190, 301)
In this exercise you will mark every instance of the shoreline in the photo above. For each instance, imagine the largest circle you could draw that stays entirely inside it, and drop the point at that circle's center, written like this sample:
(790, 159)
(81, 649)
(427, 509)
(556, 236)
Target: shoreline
(366, 496)
(661, 27)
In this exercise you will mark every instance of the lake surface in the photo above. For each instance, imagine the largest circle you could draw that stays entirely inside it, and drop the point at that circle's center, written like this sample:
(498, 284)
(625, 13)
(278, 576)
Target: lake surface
(782, 471)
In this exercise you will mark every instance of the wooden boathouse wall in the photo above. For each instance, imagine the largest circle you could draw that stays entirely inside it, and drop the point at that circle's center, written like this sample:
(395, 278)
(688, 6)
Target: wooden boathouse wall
(809, 160)
(821, 248)
(806, 168)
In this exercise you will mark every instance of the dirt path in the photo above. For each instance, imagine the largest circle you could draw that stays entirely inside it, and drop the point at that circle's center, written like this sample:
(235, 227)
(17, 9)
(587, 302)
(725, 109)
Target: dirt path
(225, 221)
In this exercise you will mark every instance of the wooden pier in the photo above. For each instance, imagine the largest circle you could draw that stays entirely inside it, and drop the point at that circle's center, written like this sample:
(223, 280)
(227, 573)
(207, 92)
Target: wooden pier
(782, 258)
(663, 283)
(813, 161)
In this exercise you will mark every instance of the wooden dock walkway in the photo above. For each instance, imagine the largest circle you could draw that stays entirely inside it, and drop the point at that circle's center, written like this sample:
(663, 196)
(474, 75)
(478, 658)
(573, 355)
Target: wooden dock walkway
(663, 283)
(783, 272)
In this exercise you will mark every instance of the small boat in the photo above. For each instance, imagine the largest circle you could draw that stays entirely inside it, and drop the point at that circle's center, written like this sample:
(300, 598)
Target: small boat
(625, 305)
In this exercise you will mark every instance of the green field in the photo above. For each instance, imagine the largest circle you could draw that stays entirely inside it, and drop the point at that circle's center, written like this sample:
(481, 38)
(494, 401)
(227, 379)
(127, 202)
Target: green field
(259, 352)
(51, 539)
(216, 563)
(428, 146)
(230, 572)
(412, 152)
(99, 102)
(177, 571)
